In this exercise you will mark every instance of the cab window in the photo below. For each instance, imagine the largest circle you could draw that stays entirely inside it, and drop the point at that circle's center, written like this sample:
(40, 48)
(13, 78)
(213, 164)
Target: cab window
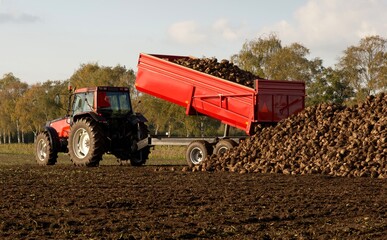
(83, 102)
(114, 101)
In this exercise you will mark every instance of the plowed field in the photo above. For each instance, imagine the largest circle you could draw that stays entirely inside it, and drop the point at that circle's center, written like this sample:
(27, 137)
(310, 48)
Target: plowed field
(163, 202)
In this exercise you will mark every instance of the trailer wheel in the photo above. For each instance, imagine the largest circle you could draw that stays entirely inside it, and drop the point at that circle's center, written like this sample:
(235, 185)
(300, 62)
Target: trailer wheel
(197, 151)
(86, 143)
(224, 145)
(45, 153)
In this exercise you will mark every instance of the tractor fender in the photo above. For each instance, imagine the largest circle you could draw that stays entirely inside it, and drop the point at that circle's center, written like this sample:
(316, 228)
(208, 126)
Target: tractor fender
(91, 115)
(54, 137)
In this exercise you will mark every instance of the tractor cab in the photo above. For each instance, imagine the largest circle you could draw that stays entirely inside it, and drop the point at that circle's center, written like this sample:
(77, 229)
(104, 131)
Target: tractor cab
(106, 102)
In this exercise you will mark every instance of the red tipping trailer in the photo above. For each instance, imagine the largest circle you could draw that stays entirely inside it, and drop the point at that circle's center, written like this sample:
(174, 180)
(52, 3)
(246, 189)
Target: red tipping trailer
(231, 103)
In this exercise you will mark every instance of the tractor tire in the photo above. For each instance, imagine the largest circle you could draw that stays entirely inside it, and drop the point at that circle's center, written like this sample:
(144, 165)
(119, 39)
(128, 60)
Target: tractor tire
(140, 157)
(45, 153)
(86, 143)
(224, 145)
(197, 151)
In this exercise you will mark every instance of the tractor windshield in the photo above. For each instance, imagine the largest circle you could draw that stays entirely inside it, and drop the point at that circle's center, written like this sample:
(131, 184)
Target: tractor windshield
(83, 102)
(114, 102)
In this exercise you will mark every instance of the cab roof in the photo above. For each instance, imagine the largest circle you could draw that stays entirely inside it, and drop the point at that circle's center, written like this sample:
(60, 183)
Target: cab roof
(102, 88)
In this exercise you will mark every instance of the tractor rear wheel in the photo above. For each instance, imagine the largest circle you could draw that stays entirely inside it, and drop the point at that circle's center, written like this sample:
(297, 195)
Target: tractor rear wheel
(139, 158)
(45, 153)
(86, 143)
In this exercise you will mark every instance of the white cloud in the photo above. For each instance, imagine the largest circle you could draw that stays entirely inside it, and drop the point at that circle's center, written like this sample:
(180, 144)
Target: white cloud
(222, 27)
(328, 27)
(17, 18)
(191, 32)
(186, 32)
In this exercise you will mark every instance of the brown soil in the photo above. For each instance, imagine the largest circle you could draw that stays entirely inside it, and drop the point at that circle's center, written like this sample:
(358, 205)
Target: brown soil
(121, 202)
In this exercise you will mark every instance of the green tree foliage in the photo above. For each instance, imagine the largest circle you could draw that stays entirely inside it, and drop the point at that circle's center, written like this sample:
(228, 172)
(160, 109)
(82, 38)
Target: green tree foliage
(291, 63)
(267, 58)
(92, 74)
(11, 89)
(155, 110)
(37, 105)
(255, 54)
(331, 86)
(360, 72)
(365, 66)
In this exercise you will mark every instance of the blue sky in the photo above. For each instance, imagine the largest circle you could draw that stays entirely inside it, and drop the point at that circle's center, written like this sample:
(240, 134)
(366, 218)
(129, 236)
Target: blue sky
(44, 40)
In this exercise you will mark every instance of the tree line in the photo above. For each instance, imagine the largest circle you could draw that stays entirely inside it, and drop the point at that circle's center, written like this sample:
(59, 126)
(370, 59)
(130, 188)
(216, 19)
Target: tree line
(360, 71)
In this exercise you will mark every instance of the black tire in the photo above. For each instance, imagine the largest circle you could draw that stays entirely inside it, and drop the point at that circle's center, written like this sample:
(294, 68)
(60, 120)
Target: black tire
(224, 145)
(86, 143)
(45, 154)
(140, 157)
(197, 151)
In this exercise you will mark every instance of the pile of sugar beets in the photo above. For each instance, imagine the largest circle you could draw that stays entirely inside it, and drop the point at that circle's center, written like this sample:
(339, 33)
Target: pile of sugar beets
(323, 139)
(223, 69)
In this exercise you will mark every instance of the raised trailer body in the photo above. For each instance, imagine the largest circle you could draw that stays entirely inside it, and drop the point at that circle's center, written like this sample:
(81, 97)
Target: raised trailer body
(231, 103)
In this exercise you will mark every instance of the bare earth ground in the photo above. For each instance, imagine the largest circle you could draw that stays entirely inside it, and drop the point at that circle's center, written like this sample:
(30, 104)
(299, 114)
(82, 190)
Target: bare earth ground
(162, 202)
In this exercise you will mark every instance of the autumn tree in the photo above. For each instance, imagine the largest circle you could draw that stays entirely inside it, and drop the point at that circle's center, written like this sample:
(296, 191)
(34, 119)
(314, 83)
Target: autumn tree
(92, 74)
(37, 105)
(365, 66)
(155, 111)
(267, 58)
(330, 85)
(291, 63)
(11, 89)
(255, 54)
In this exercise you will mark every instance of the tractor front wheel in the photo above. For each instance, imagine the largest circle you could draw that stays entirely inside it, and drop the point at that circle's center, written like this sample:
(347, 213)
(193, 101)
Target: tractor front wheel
(45, 153)
(86, 143)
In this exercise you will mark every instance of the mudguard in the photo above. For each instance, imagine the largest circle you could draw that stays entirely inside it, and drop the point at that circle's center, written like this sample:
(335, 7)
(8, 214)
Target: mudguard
(93, 115)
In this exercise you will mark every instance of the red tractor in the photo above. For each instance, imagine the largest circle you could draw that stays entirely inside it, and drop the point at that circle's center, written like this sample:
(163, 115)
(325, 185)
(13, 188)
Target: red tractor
(99, 120)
